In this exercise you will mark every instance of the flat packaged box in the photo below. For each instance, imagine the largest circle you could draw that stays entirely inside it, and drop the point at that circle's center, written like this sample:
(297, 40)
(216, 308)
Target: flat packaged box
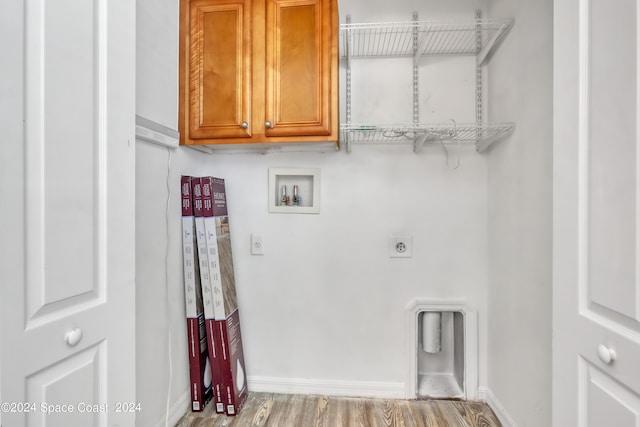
(208, 258)
(199, 363)
(227, 318)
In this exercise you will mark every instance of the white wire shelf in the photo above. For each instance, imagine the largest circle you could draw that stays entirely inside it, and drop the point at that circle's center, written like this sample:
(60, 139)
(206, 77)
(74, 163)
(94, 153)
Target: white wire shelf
(398, 39)
(482, 135)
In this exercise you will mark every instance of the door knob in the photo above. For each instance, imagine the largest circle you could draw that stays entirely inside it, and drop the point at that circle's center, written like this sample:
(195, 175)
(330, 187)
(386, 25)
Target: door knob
(244, 125)
(268, 124)
(606, 354)
(73, 337)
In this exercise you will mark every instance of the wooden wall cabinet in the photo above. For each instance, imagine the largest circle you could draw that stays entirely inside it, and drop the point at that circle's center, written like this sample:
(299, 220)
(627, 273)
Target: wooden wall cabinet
(258, 71)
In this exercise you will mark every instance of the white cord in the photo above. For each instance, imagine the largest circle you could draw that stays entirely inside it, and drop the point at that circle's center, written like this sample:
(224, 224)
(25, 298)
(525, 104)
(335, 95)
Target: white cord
(455, 130)
(166, 278)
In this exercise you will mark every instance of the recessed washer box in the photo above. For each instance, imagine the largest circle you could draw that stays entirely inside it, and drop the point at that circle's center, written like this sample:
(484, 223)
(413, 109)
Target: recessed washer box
(307, 182)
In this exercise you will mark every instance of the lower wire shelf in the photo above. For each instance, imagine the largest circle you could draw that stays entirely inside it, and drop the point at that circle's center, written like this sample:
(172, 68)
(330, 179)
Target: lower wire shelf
(482, 135)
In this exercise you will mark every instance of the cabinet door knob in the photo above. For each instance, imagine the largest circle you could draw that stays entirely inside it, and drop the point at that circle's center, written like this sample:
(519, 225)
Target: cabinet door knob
(73, 337)
(268, 124)
(244, 125)
(606, 354)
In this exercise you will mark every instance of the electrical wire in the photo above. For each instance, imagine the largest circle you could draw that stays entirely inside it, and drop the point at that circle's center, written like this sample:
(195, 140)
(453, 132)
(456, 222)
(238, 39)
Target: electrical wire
(455, 131)
(166, 278)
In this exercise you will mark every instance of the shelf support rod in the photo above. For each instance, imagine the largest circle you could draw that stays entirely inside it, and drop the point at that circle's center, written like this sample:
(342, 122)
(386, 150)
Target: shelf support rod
(347, 47)
(416, 89)
(417, 144)
(478, 77)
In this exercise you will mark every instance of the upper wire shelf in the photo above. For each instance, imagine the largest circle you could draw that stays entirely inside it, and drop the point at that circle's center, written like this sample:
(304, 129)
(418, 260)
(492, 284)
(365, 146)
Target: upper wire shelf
(398, 39)
(482, 135)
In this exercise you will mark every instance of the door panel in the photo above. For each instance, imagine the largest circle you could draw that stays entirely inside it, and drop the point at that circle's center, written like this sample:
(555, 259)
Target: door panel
(298, 67)
(606, 401)
(72, 380)
(610, 156)
(61, 109)
(596, 158)
(220, 81)
(298, 63)
(67, 252)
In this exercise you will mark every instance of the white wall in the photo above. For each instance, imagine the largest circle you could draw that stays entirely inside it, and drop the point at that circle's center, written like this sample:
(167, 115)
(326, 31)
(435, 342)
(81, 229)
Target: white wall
(159, 292)
(325, 304)
(520, 211)
(159, 297)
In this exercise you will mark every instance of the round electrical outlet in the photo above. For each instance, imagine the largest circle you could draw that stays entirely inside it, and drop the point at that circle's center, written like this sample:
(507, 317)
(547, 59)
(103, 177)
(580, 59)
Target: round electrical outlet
(400, 246)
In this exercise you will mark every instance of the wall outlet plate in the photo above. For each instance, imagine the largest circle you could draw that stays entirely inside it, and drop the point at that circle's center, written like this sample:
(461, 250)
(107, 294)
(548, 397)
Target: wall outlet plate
(257, 244)
(400, 246)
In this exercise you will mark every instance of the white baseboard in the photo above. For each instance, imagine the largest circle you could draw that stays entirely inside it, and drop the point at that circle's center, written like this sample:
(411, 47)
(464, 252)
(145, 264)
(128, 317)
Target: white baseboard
(388, 390)
(485, 395)
(179, 408)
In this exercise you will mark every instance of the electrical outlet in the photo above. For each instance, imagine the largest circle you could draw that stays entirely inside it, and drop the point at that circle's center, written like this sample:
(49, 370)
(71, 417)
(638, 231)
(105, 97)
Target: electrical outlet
(401, 246)
(257, 244)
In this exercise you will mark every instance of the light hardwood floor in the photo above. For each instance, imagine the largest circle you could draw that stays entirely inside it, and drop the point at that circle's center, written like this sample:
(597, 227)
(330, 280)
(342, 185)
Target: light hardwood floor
(295, 410)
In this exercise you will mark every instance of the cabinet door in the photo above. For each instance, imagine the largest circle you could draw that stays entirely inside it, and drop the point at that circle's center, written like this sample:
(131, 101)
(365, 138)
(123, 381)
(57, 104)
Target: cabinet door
(299, 49)
(220, 69)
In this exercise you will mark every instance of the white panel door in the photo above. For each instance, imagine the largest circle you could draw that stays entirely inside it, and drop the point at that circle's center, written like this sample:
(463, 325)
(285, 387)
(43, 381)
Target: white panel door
(596, 340)
(67, 117)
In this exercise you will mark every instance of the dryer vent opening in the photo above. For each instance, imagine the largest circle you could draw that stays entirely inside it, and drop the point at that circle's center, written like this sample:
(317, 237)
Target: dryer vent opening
(440, 355)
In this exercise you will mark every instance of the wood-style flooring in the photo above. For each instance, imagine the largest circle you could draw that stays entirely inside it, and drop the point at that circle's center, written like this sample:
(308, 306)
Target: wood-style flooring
(296, 410)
